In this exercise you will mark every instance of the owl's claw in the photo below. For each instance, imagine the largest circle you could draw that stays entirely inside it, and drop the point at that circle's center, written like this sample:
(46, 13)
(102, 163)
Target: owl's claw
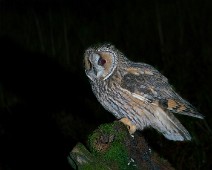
(131, 128)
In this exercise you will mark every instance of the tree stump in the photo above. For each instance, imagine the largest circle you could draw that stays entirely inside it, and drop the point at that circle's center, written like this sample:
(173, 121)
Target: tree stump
(112, 147)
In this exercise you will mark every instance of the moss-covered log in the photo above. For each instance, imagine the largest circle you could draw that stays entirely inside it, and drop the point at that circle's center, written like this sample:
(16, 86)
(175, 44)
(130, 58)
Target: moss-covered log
(112, 147)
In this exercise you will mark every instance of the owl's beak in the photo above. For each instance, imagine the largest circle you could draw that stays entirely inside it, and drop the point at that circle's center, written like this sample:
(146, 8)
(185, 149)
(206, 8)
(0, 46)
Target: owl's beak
(95, 71)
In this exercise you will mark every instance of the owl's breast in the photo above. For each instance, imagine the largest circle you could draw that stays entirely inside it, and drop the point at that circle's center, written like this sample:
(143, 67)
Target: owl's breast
(107, 94)
(120, 102)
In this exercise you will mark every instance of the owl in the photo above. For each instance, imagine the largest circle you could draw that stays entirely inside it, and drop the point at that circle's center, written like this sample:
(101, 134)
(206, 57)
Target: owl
(136, 93)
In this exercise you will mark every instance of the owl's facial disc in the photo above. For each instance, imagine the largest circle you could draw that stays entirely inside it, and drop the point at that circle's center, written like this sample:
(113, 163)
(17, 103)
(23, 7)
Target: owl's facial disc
(99, 64)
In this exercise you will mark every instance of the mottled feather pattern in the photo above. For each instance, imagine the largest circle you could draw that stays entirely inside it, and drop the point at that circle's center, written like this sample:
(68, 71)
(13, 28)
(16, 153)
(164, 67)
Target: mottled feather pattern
(155, 87)
(136, 91)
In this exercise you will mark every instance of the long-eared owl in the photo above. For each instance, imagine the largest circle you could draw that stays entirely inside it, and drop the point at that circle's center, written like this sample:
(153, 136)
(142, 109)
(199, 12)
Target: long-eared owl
(136, 91)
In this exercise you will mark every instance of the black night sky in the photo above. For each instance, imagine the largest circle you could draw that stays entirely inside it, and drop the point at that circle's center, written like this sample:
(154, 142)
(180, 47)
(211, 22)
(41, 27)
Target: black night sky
(46, 102)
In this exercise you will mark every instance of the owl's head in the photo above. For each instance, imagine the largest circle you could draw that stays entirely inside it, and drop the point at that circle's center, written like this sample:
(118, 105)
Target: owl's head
(100, 62)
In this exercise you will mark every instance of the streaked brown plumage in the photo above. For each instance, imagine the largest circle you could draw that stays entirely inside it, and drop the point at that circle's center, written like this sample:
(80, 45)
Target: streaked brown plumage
(136, 91)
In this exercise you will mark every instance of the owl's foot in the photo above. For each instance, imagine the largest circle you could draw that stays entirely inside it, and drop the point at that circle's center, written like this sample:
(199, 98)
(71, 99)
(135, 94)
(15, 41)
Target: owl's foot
(131, 128)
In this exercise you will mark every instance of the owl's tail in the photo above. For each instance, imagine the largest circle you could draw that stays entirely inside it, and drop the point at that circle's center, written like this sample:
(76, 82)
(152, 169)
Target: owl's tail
(168, 125)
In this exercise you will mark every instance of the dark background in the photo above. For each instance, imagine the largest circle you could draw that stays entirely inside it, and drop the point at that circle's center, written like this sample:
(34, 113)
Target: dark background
(46, 102)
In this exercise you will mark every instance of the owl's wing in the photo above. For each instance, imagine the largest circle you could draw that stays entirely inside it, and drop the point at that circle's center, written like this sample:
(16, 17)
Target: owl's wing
(148, 84)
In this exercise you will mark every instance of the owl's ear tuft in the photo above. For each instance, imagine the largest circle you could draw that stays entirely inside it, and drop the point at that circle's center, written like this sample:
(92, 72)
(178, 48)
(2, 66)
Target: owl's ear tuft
(109, 45)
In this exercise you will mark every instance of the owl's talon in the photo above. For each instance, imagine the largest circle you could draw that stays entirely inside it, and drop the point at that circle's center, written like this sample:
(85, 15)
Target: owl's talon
(131, 128)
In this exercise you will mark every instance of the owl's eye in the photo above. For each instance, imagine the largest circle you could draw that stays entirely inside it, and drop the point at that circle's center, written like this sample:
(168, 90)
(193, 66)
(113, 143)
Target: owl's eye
(101, 61)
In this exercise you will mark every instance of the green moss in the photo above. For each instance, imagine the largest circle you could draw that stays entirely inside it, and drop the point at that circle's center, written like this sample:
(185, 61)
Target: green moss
(91, 141)
(93, 166)
(116, 154)
(107, 128)
(112, 129)
(116, 128)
